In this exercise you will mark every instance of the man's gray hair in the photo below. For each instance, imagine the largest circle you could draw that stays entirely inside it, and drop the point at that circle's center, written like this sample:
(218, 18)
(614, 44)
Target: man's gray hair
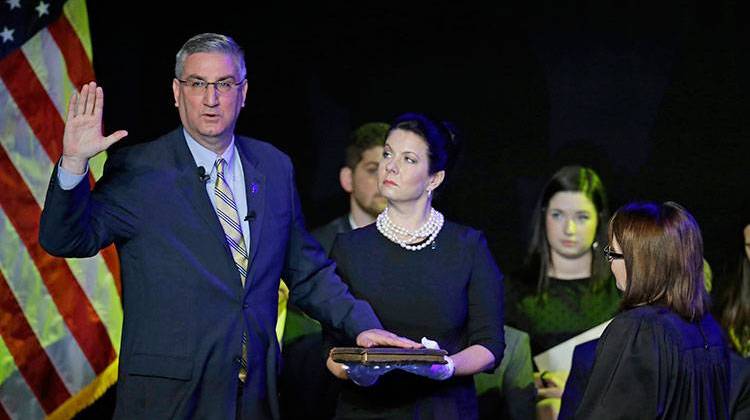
(210, 43)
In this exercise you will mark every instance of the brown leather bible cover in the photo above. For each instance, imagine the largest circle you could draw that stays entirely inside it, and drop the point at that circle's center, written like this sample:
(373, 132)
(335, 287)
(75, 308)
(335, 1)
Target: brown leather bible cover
(387, 355)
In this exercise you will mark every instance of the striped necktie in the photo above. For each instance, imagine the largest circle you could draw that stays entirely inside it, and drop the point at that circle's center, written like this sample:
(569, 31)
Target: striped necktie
(226, 209)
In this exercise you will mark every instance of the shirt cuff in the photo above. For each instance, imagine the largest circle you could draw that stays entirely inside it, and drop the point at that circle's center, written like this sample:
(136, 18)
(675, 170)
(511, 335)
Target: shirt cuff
(68, 180)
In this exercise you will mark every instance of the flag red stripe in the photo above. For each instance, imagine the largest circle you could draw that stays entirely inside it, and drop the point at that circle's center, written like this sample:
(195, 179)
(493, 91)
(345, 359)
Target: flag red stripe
(43, 118)
(72, 303)
(80, 70)
(33, 102)
(32, 361)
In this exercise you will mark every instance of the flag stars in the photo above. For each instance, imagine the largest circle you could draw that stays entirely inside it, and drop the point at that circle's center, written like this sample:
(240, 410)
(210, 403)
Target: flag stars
(42, 8)
(13, 4)
(7, 34)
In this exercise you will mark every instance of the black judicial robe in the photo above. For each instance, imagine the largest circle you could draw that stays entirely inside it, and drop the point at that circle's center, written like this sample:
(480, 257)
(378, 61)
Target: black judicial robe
(653, 364)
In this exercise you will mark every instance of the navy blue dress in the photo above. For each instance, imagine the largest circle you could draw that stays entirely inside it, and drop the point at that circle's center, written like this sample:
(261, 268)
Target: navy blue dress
(450, 292)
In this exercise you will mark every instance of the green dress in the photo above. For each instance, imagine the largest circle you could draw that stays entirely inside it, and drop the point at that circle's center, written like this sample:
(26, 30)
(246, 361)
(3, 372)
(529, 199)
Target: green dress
(569, 308)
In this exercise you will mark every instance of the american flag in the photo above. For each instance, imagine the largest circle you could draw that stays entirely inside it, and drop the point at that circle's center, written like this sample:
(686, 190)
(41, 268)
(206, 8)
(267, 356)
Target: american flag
(60, 320)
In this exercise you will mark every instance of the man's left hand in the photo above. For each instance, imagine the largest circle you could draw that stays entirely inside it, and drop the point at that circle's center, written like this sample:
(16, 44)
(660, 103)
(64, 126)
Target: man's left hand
(383, 338)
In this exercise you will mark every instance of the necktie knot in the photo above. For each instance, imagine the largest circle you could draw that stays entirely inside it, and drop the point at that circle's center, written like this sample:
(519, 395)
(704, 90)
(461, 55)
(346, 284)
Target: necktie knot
(220, 164)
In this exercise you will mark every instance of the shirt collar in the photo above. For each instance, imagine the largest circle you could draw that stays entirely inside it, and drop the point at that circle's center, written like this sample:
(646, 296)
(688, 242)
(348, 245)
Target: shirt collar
(205, 157)
(352, 223)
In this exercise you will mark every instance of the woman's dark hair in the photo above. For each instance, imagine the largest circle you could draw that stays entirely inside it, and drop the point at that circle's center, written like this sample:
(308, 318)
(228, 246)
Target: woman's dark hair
(735, 318)
(441, 138)
(663, 250)
(569, 179)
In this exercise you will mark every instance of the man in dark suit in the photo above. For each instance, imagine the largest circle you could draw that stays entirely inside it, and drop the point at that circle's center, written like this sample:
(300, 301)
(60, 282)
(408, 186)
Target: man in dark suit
(205, 223)
(359, 178)
(308, 389)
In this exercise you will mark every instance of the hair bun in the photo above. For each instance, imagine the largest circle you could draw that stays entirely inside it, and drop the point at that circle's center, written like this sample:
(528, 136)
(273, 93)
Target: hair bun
(453, 135)
(442, 137)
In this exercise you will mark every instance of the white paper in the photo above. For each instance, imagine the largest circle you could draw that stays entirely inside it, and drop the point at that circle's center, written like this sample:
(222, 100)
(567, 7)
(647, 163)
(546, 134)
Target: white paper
(560, 357)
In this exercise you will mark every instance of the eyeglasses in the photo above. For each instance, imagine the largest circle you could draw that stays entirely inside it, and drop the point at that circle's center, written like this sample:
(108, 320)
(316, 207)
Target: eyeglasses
(612, 255)
(198, 86)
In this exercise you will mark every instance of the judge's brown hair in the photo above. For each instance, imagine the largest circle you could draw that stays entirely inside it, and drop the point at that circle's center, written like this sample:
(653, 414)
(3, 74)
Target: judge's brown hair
(663, 250)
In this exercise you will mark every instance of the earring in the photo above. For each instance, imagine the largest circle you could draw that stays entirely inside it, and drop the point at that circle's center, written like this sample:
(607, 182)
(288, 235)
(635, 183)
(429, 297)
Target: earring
(595, 245)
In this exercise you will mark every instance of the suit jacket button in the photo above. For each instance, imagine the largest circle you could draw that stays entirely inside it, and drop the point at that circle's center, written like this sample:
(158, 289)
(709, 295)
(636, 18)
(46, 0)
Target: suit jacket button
(245, 306)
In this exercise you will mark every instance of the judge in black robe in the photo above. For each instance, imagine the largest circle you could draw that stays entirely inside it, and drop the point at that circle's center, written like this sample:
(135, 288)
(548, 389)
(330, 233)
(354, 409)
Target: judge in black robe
(663, 356)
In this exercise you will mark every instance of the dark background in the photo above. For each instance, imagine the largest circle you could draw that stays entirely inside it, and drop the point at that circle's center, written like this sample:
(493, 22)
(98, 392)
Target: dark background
(653, 95)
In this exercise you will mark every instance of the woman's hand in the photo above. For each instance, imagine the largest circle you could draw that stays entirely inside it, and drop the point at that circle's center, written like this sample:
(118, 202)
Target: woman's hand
(438, 372)
(337, 369)
(383, 338)
(550, 384)
(360, 374)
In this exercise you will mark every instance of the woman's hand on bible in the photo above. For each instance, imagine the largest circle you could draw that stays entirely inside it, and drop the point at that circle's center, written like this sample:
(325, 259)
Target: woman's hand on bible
(383, 338)
(438, 372)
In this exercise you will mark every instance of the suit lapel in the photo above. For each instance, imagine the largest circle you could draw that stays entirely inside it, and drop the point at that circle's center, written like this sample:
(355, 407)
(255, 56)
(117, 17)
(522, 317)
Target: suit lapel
(194, 189)
(255, 190)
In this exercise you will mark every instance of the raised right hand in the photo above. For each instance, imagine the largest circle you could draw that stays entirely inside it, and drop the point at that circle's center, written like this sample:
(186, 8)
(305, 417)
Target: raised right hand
(83, 137)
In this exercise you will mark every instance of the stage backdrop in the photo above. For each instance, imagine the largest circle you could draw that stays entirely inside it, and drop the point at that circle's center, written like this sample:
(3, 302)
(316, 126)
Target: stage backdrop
(653, 95)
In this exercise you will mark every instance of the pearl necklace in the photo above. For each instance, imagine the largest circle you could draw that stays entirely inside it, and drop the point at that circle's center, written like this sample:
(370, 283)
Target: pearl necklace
(429, 230)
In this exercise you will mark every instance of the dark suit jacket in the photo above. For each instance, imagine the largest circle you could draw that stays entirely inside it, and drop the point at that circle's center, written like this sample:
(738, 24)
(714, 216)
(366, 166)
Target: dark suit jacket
(308, 390)
(327, 234)
(183, 302)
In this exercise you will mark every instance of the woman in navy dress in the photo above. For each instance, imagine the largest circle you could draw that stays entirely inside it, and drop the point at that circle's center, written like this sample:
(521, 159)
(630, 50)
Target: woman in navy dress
(424, 277)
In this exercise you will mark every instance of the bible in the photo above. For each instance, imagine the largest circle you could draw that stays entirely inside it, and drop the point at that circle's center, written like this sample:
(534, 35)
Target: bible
(387, 355)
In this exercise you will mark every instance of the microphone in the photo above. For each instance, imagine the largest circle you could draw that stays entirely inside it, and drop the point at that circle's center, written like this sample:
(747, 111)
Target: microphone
(202, 175)
(250, 216)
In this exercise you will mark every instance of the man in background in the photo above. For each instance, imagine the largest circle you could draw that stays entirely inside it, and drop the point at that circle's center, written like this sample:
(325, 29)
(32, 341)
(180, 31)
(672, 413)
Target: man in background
(359, 178)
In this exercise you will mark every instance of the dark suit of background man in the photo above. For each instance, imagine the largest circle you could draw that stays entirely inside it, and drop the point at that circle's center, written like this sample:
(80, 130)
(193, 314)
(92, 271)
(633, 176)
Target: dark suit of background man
(308, 389)
(202, 244)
